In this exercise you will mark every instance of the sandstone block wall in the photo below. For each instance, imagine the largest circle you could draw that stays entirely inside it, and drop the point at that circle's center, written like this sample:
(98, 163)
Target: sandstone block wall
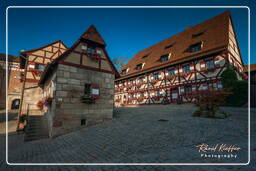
(68, 108)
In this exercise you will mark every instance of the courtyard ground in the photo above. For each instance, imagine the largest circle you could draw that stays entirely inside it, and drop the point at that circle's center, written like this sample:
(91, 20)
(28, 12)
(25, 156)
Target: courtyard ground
(146, 134)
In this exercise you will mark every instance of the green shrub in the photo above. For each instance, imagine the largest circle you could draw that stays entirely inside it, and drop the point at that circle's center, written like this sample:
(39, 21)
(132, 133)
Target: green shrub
(239, 88)
(228, 77)
(239, 94)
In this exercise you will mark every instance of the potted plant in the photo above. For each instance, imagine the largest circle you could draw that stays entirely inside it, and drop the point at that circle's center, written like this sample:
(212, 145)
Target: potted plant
(40, 104)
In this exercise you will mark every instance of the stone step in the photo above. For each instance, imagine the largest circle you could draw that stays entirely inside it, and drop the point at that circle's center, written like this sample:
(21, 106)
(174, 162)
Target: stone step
(36, 128)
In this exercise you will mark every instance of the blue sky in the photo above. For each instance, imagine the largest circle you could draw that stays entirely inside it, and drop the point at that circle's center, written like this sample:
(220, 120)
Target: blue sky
(126, 31)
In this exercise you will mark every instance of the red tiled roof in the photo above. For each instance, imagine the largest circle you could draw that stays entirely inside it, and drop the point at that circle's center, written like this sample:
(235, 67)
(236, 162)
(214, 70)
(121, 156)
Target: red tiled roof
(93, 35)
(213, 34)
(252, 67)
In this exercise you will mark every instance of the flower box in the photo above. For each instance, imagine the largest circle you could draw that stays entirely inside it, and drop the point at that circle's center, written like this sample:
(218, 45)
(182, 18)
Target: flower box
(87, 100)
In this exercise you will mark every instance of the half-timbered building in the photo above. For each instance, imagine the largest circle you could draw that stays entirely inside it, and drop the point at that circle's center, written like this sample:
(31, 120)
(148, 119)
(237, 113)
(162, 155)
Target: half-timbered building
(35, 61)
(78, 86)
(175, 69)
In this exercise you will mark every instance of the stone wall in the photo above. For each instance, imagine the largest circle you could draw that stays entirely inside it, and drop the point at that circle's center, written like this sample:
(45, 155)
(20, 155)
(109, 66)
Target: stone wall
(69, 110)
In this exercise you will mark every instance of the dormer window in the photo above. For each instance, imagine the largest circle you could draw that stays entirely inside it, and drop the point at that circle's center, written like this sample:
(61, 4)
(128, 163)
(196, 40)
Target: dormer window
(195, 47)
(145, 56)
(124, 71)
(139, 66)
(168, 46)
(197, 34)
(164, 58)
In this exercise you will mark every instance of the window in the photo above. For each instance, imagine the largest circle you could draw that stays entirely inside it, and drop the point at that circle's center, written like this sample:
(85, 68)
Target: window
(197, 34)
(174, 95)
(186, 69)
(145, 56)
(84, 47)
(91, 50)
(195, 47)
(83, 121)
(98, 52)
(15, 104)
(164, 58)
(124, 71)
(188, 90)
(158, 93)
(171, 72)
(87, 89)
(209, 64)
(168, 46)
(156, 76)
(139, 66)
(40, 67)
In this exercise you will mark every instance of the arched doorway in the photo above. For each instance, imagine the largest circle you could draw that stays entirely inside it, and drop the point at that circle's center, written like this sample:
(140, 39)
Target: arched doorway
(15, 104)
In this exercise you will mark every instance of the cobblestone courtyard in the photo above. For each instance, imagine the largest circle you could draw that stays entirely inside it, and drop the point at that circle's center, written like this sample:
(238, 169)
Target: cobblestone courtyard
(149, 134)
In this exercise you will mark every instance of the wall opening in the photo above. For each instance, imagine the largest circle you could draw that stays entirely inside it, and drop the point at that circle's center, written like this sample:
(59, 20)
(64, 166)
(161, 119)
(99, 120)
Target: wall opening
(15, 104)
(83, 121)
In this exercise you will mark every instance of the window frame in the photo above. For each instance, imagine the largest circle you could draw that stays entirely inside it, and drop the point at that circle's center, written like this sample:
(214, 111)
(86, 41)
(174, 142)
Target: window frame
(196, 47)
(87, 89)
(139, 66)
(38, 68)
(166, 57)
(171, 72)
(211, 62)
(186, 68)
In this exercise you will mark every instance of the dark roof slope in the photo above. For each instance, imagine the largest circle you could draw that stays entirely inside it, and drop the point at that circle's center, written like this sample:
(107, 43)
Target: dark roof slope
(11, 58)
(213, 34)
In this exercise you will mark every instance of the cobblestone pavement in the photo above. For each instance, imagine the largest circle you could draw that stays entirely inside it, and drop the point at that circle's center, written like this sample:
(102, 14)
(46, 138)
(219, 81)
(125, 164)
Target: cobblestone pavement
(12, 124)
(136, 135)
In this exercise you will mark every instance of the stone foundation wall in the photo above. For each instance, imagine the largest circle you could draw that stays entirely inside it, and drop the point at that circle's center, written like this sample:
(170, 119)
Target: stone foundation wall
(69, 110)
